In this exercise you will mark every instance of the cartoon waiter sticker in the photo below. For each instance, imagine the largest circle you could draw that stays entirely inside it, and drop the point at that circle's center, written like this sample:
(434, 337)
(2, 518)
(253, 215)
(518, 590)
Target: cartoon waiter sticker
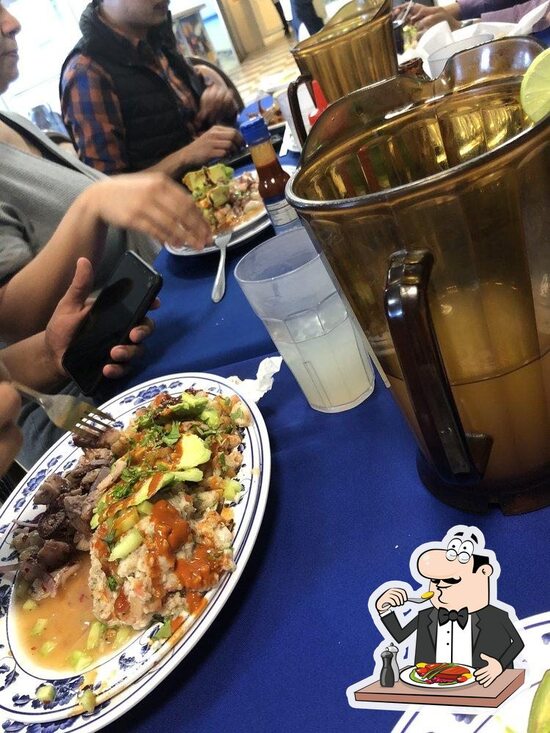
(460, 621)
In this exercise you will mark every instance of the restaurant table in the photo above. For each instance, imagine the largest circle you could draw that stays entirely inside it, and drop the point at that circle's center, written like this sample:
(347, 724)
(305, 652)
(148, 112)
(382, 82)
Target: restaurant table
(345, 511)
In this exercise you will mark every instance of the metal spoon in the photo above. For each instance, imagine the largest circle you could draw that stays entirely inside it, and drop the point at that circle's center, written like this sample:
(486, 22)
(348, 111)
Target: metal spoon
(218, 290)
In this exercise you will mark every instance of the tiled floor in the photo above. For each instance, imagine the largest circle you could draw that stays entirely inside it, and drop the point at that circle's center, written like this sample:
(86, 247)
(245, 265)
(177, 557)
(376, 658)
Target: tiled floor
(262, 72)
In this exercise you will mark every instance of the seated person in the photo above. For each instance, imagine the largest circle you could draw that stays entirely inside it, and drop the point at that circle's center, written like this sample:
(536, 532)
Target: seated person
(53, 210)
(39, 184)
(130, 100)
(501, 11)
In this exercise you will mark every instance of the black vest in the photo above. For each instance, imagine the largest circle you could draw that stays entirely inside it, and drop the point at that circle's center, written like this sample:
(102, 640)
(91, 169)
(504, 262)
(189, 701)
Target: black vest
(155, 121)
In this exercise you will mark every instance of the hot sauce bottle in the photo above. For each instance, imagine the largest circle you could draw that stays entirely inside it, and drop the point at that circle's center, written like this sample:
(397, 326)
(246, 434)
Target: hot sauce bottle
(272, 177)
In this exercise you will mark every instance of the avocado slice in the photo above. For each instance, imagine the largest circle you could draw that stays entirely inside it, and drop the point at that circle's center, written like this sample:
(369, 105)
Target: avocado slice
(190, 405)
(211, 417)
(219, 173)
(152, 485)
(195, 180)
(219, 195)
(127, 544)
(191, 451)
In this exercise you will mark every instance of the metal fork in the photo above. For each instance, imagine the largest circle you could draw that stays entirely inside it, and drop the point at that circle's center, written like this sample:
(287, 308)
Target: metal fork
(70, 413)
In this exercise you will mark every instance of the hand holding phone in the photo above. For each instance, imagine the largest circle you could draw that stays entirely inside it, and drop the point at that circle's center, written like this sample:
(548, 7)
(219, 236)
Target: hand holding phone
(121, 305)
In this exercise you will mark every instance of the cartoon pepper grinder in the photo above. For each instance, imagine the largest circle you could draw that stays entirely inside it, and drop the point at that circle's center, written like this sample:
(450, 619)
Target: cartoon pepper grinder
(387, 678)
(394, 663)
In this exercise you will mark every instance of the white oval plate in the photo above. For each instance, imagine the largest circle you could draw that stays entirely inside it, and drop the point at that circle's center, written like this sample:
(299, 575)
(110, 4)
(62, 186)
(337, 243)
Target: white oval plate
(115, 678)
(241, 233)
(405, 676)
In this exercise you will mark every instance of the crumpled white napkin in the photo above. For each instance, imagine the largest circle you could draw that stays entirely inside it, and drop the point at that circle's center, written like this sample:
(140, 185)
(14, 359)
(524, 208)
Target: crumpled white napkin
(255, 389)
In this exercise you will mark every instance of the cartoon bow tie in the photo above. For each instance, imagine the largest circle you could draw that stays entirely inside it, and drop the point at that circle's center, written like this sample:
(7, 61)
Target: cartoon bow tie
(443, 615)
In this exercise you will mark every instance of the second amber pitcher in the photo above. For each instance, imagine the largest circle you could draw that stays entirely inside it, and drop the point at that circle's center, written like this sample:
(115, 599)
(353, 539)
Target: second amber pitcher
(429, 201)
(355, 48)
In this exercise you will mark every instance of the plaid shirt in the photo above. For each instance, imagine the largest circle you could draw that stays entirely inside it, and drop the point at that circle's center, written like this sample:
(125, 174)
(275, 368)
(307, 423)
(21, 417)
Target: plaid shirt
(92, 111)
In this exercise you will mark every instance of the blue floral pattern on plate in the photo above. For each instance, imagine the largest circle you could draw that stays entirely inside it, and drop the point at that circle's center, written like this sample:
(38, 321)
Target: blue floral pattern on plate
(143, 658)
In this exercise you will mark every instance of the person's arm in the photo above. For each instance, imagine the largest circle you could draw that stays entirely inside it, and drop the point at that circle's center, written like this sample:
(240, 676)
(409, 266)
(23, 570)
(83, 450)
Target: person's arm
(91, 112)
(514, 13)
(92, 116)
(469, 9)
(11, 437)
(37, 360)
(152, 204)
(216, 142)
(423, 17)
(217, 103)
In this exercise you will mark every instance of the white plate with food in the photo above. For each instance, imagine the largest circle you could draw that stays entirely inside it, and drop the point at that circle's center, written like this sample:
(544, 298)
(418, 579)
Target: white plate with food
(438, 675)
(169, 513)
(244, 225)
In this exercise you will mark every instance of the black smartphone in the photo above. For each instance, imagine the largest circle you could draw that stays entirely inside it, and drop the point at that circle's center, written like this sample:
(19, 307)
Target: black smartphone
(120, 306)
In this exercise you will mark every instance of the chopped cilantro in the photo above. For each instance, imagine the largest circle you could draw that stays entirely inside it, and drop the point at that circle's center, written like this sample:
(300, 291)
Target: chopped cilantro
(110, 537)
(237, 414)
(173, 436)
(144, 421)
(221, 460)
(112, 582)
(121, 491)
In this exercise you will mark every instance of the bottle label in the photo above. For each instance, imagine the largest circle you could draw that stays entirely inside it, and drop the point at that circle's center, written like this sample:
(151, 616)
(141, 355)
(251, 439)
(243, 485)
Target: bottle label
(281, 213)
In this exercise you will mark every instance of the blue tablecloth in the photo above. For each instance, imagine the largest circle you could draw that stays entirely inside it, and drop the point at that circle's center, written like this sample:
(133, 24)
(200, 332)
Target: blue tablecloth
(345, 511)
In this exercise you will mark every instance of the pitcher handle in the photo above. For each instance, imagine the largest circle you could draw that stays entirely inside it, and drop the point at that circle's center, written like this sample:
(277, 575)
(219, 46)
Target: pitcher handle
(295, 110)
(411, 327)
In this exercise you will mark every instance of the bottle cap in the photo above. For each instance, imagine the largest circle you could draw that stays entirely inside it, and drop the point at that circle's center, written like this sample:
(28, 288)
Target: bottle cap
(255, 131)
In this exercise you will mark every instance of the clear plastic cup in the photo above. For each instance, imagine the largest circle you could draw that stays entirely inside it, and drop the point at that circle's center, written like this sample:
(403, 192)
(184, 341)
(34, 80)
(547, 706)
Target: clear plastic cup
(289, 288)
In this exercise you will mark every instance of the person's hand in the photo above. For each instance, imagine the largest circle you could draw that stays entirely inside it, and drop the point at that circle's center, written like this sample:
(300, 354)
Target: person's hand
(11, 437)
(391, 598)
(217, 142)
(217, 104)
(68, 315)
(154, 204)
(423, 17)
(488, 674)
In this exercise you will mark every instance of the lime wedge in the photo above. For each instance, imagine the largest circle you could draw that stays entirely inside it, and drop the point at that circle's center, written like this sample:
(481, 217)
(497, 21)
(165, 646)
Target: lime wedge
(535, 88)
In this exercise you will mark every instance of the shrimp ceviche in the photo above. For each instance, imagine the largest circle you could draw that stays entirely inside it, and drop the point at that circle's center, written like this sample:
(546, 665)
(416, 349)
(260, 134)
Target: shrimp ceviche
(145, 517)
(224, 199)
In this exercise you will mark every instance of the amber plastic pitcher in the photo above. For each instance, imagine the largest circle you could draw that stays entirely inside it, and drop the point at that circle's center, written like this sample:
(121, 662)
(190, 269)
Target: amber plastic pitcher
(429, 200)
(355, 48)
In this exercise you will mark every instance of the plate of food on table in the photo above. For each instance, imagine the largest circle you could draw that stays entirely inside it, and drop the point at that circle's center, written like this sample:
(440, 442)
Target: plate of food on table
(228, 202)
(117, 552)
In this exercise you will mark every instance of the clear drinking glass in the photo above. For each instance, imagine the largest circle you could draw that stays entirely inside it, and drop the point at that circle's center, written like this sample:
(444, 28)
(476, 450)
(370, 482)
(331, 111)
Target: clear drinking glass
(289, 288)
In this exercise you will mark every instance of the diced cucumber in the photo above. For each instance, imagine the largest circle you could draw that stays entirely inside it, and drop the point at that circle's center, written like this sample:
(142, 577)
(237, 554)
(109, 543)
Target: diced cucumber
(30, 605)
(39, 626)
(47, 648)
(125, 521)
(127, 544)
(145, 508)
(230, 489)
(122, 635)
(95, 634)
(78, 660)
(46, 693)
(164, 631)
(88, 700)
